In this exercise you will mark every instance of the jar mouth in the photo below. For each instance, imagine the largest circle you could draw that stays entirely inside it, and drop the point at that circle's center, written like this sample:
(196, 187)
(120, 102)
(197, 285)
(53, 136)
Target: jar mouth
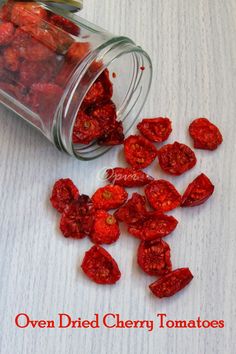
(131, 80)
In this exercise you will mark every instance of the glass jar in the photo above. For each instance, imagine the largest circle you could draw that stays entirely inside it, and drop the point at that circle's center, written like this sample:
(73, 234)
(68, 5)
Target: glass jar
(55, 66)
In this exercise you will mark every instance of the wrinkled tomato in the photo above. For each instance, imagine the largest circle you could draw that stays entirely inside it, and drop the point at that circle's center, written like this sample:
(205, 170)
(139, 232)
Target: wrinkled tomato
(113, 137)
(109, 197)
(133, 211)
(176, 158)
(171, 283)
(78, 218)
(6, 33)
(65, 24)
(155, 129)
(153, 226)
(64, 192)
(86, 129)
(100, 266)
(154, 257)
(198, 192)
(162, 195)
(205, 134)
(139, 152)
(105, 229)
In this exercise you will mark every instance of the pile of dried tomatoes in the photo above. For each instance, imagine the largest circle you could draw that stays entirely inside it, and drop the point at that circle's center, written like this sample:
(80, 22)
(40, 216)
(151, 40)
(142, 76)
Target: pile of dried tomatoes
(83, 216)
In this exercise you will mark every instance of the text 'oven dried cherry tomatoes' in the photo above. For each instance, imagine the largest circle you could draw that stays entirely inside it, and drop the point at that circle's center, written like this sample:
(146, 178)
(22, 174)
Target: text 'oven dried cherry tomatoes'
(78, 218)
(154, 257)
(64, 192)
(205, 134)
(155, 129)
(171, 283)
(139, 152)
(176, 158)
(162, 195)
(154, 226)
(109, 197)
(132, 211)
(105, 228)
(198, 192)
(128, 177)
(100, 267)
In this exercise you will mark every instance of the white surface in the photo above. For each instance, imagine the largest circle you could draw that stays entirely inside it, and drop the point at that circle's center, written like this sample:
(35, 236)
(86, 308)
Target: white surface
(192, 45)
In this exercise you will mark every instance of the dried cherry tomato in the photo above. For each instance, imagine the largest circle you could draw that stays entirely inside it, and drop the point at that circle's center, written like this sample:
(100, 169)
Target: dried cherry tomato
(155, 129)
(5, 12)
(6, 33)
(65, 24)
(154, 226)
(44, 97)
(176, 158)
(205, 134)
(104, 78)
(162, 195)
(139, 152)
(86, 129)
(78, 51)
(100, 266)
(11, 59)
(154, 257)
(33, 71)
(171, 283)
(109, 197)
(133, 211)
(128, 177)
(105, 228)
(64, 192)
(95, 94)
(114, 136)
(78, 218)
(105, 114)
(24, 13)
(198, 192)
(65, 73)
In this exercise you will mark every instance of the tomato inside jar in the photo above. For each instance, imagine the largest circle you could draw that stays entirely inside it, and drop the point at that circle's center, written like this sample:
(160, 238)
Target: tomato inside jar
(57, 72)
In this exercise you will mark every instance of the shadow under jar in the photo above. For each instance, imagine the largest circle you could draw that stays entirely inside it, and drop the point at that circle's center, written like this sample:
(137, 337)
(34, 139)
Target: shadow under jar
(81, 86)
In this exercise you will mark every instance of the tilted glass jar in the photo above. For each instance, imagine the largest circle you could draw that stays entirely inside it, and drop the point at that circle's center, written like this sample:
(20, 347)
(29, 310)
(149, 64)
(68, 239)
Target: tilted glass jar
(52, 61)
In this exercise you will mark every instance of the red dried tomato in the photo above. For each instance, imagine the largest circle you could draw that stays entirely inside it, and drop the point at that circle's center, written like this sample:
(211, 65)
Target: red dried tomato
(78, 51)
(162, 195)
(155, 129)
(78, 218)
(100, 266)
(65, 24)
(133, 211)
(198, 192)
(104, 78)
(24, 13)
(105, 228)
(6, 33)
(154, 257)
(86, 129)
(5, 12)
(11, 59)
(64, 192)
(171, 283)
(109, 197)
(31, 72)
(95, 94)
(205, 134)
(44, 97)
(128, 177)
(154, 226)
(105, 114)
(114, 136)
(139, 152)
(176, 158)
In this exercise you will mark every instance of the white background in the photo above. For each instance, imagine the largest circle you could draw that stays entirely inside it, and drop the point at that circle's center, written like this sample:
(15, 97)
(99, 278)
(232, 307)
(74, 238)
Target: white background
(192, 46)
